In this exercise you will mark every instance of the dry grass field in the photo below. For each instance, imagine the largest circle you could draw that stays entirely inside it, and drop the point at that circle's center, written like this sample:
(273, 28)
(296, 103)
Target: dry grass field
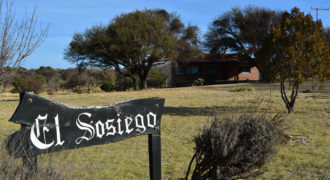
(187, 110)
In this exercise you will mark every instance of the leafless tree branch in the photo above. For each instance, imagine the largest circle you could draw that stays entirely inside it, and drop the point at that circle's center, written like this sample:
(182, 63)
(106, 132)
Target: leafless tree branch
(18, 39)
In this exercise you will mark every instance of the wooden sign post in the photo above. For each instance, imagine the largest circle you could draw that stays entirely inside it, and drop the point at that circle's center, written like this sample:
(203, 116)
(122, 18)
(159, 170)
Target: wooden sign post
(48, 126)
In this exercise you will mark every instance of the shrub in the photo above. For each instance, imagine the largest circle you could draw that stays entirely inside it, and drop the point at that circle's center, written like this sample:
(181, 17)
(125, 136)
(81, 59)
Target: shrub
(77, 81)
(199, 82)
(233, 147)
(107, 86)
(47, 73)
(11, 168)
(97, 90)
(51, 91)
(28, 85)
(124, 83)
(82, 91)
(155, 79)
(17, 83)
(240, 89)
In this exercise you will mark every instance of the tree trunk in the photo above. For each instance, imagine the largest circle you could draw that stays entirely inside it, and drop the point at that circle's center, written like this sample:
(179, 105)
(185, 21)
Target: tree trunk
(135, 83)
(290, 109)
(3, 84)
(289, 103)
(143, 83)
(89, 89)
(4, 88)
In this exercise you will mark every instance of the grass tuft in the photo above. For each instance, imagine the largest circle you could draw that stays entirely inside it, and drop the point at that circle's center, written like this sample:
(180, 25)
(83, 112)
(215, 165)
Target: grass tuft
(242, 89)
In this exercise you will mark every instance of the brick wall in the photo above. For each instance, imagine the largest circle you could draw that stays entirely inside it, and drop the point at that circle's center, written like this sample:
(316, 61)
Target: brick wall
(253, 75)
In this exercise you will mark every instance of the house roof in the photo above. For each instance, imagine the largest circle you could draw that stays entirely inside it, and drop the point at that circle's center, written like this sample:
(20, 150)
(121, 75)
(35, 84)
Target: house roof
(214, 57)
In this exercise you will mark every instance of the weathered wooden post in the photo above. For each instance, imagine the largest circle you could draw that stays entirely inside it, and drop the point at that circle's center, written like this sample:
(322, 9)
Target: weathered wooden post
(48, 126)
(154, 156)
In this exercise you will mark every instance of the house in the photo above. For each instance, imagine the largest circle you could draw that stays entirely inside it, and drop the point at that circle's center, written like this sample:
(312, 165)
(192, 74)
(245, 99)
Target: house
(213, 68)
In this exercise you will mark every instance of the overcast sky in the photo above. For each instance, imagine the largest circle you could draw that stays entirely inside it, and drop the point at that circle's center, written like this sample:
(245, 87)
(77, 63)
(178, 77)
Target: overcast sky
(69, 16)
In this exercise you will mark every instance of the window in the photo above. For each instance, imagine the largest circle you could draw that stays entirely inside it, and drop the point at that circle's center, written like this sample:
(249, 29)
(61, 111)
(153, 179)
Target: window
(194, 69)
(245, 69)
(211, 69)
(191, 70)
(179, 70)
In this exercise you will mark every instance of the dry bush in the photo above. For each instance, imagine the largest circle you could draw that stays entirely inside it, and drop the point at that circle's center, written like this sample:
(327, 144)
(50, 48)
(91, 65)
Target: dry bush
(77, 81)
(34, 84)
(11, 168)
(51, 91)
(234, 147)
(96, 90)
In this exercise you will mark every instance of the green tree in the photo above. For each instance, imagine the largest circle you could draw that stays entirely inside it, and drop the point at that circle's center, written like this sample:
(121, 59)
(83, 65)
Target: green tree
(155, 79)
(132, 43)
(240, 31)
(47, 72)
(295, 50)
(327, 34)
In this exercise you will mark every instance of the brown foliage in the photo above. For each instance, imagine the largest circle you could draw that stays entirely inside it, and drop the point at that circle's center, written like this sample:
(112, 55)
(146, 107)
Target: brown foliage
(235, 147)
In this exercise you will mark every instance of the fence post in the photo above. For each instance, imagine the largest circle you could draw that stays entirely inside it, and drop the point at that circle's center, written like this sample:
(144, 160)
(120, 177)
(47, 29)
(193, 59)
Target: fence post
(154, 156)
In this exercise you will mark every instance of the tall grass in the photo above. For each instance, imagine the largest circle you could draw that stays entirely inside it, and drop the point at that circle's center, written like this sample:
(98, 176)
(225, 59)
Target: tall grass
(11, 168)
(186, 112)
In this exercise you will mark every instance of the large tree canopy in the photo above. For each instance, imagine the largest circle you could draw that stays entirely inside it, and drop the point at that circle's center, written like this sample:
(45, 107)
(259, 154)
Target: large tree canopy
(240, 31)
(296, 49)
(132, 43)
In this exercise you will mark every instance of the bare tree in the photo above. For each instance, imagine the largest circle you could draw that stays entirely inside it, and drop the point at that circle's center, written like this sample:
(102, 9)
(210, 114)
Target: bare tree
(18, 39)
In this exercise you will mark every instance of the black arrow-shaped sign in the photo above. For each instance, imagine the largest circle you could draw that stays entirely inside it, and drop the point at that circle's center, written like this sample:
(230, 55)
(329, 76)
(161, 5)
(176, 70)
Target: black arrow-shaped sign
(51, 126)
